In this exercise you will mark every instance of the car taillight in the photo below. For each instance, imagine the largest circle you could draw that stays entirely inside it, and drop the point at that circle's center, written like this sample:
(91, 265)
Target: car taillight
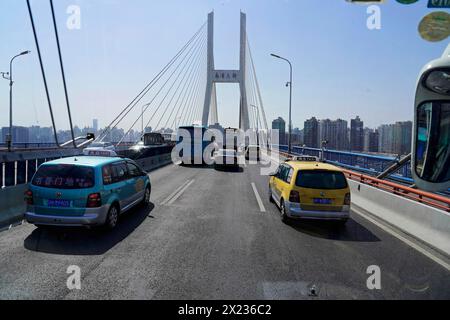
(29, 197)
(348, 199)
(294, 196)
(94, 200)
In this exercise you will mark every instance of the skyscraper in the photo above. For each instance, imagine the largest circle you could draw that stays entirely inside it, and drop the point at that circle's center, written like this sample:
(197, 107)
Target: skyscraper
(334, 132)
(402, 137)
(357, 134)
(395, 138)
(386, 138)
(371, 138)
(95, 125)
(19, 134)
(311, 133)
(280, 125)
(341, 129)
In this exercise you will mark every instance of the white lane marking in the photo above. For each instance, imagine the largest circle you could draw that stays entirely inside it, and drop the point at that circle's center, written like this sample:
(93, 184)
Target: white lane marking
(258, 198)
(410, 243)
(177, 195)
(174, 193)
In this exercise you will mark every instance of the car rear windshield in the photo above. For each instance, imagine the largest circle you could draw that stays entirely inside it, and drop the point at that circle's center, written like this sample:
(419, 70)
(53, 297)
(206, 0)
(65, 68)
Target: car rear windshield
(64, 177)
(321, 179)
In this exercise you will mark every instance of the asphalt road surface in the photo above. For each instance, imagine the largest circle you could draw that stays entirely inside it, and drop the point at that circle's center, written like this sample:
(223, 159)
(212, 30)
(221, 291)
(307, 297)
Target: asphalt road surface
(207, 236)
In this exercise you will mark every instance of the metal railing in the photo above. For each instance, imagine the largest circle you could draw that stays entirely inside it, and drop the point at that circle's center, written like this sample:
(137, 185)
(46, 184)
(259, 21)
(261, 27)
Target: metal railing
(367, 163)
(427, 198)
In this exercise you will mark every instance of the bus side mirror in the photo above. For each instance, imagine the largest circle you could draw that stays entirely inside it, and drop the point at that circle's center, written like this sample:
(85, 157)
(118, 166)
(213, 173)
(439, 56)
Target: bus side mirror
(432, 142)
(431, 133)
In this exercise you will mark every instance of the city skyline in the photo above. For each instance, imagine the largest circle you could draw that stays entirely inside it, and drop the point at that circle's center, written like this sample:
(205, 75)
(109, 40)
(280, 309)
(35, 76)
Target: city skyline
(339, 134)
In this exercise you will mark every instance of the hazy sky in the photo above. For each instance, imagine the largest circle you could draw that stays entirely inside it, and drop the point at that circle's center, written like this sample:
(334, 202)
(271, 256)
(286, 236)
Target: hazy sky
(341, 68)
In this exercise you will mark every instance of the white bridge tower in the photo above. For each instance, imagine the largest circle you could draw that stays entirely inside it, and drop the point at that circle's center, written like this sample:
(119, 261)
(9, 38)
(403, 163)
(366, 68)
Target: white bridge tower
(214, 76)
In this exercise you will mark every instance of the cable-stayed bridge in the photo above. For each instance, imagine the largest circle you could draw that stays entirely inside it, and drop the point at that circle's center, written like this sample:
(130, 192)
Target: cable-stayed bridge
(184, 91)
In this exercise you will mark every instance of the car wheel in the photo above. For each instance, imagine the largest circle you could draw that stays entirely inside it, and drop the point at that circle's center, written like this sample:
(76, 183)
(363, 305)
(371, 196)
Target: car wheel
(112, 218)
(147, 194)
(283, 214)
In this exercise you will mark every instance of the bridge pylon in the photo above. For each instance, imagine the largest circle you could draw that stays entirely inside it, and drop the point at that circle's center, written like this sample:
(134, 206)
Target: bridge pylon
(215, 76)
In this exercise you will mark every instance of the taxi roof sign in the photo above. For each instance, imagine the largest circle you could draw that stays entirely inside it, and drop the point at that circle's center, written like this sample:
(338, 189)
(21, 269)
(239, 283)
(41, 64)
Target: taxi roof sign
(99, 152)
(305, 159)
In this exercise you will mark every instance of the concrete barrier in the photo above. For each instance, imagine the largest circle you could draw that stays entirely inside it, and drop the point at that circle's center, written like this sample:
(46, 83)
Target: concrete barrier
(427, 224)
(12, 205)
(155, 162)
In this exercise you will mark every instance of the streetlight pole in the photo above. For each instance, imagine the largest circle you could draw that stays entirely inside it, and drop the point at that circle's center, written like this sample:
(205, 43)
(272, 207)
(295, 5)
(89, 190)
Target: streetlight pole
(290, 100)
(142, 120)
(9, 137)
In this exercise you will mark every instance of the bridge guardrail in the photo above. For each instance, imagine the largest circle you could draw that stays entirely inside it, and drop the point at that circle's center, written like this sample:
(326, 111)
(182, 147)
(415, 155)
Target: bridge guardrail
(427, 198)
(367, 163)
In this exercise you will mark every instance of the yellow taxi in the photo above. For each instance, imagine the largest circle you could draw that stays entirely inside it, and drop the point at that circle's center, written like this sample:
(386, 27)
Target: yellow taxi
(308, 189)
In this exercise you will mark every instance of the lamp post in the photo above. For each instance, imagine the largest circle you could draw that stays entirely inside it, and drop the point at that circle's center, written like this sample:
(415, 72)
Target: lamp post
(9, 76)
(142, 120)
(290, 100)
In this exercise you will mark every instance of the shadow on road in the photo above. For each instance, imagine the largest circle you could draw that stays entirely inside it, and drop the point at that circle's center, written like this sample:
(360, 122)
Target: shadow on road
(197, 166)
(229, 169)
(83, 241)
(351, 231)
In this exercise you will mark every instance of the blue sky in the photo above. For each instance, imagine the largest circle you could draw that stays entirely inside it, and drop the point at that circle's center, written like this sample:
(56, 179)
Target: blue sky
(341, 69)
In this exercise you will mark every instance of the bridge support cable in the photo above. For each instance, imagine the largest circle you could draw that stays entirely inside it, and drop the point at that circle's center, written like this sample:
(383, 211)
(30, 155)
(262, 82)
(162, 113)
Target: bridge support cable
(62, 73)
(252, 97)
(188, 53)
(166, 95)
(253, 103)
(180, 114)
(189, 71)
(184, 91)
(188, 116)
(116, 121)
(261, 104)
(199, 94)
(198, 108)
(198, 111)
(183, 61)
(152, 83)
(44, 78)
(187, 106)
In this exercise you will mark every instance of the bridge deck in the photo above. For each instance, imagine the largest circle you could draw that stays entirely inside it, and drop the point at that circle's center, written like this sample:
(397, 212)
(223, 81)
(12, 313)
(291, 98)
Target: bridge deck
(213, 240)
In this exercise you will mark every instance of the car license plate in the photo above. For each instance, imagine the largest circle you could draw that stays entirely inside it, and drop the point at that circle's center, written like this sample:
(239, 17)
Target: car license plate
(58, 203)
(322, 201)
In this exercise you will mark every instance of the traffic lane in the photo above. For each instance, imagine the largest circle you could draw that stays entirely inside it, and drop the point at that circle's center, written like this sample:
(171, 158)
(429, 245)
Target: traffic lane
(196, 248)
(200, 247)
(406, 273)
(157, 256)
(211, 256)
(34, 262)
(212, 243)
